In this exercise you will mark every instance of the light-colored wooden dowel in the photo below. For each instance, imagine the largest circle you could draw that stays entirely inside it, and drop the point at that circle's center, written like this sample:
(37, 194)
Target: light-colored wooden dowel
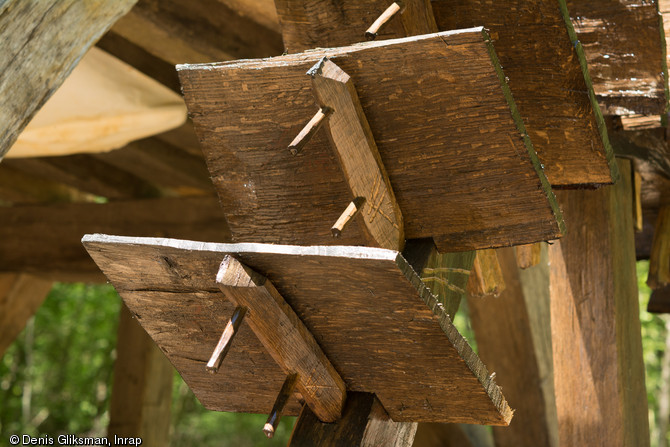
(278, 408)
(528, 255)
(226, 340)
(348, 214)
(637, 201)
(309, 130)
(371, 33)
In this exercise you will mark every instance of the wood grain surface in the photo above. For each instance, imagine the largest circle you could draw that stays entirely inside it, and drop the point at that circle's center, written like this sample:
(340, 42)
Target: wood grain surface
(367, 309)
(42, 42)
(549, 80)
(625, 48)
(308, 24)
(461, 167)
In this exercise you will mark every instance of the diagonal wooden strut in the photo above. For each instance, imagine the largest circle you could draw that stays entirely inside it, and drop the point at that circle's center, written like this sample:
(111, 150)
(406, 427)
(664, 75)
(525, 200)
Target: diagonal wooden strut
(285, 337)
(352, 140)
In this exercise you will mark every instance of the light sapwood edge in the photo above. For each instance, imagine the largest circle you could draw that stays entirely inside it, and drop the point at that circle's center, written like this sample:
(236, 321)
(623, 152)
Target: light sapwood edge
(348, 214)
(226, 340)
(280, 403)
(383, 19)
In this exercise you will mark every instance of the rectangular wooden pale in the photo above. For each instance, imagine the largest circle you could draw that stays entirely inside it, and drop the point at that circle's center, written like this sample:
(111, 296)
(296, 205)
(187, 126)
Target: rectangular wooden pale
(454, 147)
(381, 328)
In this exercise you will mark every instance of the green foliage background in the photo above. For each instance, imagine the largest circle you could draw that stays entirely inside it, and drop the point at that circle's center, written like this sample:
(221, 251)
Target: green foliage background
(56, 378)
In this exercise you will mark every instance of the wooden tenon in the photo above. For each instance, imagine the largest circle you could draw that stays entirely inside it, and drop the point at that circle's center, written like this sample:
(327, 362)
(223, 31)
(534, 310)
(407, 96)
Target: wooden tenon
(448, 135)
(365, 307)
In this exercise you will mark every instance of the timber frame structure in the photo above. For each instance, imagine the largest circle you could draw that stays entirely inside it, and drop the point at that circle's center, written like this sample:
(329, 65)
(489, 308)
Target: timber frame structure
(351, 171)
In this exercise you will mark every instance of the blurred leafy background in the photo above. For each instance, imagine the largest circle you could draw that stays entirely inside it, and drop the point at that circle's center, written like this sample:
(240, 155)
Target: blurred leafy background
(56, 378)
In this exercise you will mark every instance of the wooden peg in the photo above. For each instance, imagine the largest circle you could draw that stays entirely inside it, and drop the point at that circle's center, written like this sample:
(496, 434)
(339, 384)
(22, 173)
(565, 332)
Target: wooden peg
(383, 19)
(278, 407)
(226, 340)
(347, 215)
(637, 201)
(352, 140)
(309, 130)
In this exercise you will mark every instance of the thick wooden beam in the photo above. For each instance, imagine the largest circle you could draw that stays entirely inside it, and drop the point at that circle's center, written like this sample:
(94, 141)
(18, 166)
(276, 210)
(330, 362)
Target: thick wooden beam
(103, 105)
(20, 297)
(285, 337)
(352, 141)
(142, 388)
(598, 366)
(42, 42)
(463, 171)
(46, 240)
(547, 73)
(659, 261)
(517, 323)
(308, 24)
(165, 28)
(364, 423)
(625, 48)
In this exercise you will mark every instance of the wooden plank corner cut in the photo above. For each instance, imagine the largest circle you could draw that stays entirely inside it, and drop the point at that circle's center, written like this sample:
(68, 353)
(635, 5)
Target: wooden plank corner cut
(285, 337)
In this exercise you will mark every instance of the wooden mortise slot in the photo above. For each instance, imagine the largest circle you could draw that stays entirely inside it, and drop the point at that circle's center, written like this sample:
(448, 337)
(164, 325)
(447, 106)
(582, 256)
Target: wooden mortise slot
(285, 337)
(309, 130)
(278, 408)
(346, 216)
(383, 19)
(226, 340)
(352, 140)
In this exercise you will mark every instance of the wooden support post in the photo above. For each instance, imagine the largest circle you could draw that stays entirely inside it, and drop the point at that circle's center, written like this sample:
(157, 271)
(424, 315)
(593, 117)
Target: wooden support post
(352, 140)
(598, 366)
(528, 255)
(309, 130)
(142, 389)
(226, 340)
(659, 302)
(364, 423)
(659, 261)
(517, 323)
(42, 42)
(371, 33)
(486, 277)
(278, 408)
(285, 337)
(20, 297)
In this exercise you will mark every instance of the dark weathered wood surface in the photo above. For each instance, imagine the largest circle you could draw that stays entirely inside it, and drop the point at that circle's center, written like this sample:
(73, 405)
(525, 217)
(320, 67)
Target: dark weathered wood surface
(46, 240)
(659, 302)
(42, 42)
(364, 423)
(285, 338)
(367, 309)
(308, 24)
(20, 297)
(142, 388)
(545, 72)
(460, 169)
(512, 333)
(598, 367)
(624, 45)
